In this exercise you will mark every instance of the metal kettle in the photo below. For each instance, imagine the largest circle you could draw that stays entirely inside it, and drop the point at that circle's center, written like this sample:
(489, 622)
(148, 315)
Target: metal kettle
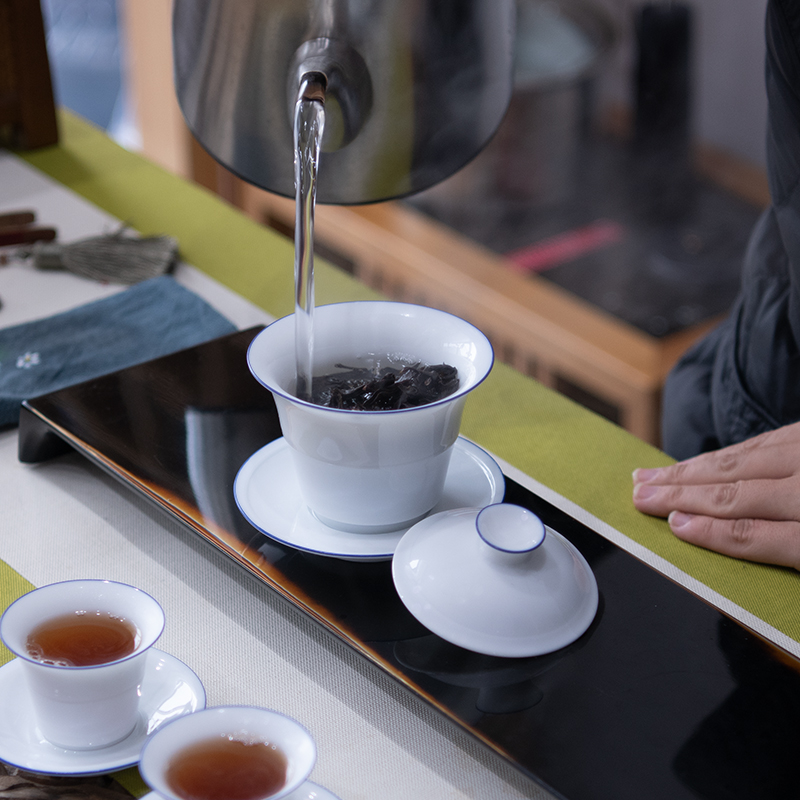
(413, 88)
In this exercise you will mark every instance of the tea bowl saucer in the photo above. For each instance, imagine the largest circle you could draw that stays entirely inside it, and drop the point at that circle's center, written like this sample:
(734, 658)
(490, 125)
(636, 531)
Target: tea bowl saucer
(169, 689)
(311, 791)
(308, 791)
(267, 494)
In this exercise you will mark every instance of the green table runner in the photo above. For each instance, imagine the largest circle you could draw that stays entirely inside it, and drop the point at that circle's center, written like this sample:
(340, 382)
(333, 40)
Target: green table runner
(572, 451)
(12, 586)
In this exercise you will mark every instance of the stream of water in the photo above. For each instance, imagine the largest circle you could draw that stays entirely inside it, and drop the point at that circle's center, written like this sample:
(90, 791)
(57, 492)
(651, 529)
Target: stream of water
(309, 124)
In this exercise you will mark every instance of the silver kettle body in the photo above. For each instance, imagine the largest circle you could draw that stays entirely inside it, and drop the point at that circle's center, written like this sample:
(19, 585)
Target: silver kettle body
(414, 88)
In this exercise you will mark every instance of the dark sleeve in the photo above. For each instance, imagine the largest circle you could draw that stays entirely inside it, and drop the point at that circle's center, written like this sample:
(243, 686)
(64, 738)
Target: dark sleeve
(783, 96)
(766, 355)
(745, 378)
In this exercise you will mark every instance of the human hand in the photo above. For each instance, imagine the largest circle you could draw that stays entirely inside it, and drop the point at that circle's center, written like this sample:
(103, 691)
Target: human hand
(743, 500)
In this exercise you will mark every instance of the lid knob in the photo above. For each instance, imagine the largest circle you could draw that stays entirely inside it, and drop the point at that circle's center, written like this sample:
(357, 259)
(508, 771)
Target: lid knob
(510, 528)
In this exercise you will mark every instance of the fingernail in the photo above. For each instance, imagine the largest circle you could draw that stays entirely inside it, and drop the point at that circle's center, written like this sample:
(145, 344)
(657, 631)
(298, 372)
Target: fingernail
(677, 519)
(644, 475)
(644, 492)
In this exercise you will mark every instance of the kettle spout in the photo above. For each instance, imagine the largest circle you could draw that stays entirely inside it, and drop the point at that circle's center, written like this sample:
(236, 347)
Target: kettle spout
(335, 74)
(312, 87)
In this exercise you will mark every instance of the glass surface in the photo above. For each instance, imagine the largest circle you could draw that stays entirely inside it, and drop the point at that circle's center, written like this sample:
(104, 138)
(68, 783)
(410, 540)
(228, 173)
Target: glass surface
(663, 697)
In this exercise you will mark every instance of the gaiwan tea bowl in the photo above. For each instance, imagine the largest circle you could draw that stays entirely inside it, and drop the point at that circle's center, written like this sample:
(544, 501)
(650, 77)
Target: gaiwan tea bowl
(371, 471)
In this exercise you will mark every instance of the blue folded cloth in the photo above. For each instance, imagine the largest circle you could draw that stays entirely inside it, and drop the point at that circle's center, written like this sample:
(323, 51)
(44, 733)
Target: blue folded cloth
(152, 319)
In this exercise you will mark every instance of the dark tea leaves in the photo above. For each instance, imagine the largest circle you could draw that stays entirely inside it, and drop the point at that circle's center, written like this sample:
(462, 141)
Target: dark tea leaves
(387, 388)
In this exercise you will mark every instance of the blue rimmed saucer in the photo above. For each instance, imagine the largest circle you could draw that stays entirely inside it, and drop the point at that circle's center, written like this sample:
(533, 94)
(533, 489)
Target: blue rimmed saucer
(267, 494)
(169, 689)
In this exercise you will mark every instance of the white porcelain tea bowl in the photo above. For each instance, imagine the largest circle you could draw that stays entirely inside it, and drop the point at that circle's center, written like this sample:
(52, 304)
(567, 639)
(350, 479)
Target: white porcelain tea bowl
(371, 471)
(168, 690)
(495, 581)
(84, 707)
(244, 723)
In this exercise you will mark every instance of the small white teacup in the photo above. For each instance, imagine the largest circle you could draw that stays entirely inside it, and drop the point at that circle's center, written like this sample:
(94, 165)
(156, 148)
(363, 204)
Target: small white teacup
(371, 471)
(263, 754)
(90, 706)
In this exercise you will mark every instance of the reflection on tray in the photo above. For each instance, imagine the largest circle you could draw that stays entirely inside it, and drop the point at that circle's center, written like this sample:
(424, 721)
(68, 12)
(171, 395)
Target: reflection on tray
(624, 712)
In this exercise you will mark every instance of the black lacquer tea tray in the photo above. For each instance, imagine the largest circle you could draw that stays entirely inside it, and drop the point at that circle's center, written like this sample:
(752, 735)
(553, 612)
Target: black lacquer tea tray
(663, 696)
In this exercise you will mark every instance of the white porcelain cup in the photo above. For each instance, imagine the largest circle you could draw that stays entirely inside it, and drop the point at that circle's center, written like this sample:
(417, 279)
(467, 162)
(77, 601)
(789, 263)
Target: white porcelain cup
(82, 708)
(371, 471)
(244, 723)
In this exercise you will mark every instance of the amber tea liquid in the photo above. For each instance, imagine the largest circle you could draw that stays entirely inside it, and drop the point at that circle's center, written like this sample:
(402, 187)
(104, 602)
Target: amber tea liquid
(226, 768)
(82, 639)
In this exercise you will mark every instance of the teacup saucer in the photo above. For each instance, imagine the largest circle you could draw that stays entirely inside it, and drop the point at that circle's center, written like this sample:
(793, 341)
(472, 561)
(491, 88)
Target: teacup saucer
(267, 494)
(169, 690)
(308, 791)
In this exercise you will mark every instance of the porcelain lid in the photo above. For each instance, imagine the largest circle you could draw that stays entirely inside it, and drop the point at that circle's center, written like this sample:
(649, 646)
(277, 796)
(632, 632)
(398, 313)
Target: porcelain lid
(495, 581)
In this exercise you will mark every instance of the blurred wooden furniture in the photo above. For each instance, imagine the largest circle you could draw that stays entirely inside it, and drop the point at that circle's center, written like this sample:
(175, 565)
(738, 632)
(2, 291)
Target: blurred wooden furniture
(165, 137)
(27, 107)
(535, 326)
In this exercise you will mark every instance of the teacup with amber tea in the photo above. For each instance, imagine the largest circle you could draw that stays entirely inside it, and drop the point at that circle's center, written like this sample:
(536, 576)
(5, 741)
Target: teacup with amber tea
(83, 647)
(371, 466)
(228, 753)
